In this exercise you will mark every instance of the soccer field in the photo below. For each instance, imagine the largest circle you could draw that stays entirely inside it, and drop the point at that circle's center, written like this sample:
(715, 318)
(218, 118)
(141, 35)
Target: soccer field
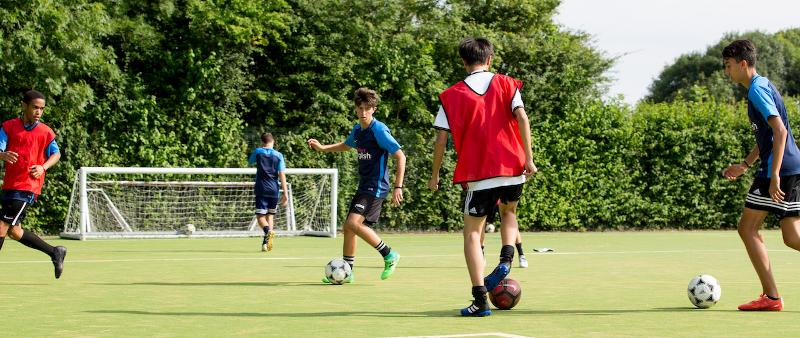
(594, 284)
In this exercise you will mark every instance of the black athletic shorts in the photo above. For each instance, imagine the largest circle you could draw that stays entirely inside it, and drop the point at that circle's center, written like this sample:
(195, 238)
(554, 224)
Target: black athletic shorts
(368, 206)
(13, 211)
(758, 196)
(480, 203)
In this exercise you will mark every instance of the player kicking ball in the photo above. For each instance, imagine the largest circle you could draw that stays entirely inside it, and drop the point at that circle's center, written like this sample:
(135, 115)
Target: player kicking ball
(374, 143)
(492, 137)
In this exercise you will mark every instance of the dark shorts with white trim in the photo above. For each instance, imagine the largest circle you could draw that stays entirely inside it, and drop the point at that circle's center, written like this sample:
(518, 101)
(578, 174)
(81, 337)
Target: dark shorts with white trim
(480, 203)
(758, 196)
(266, 205)
(368, 206)
(13, 211)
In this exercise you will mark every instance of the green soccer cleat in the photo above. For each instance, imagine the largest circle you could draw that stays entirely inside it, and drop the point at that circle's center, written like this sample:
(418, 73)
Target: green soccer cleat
(389, 264)
(349, 280)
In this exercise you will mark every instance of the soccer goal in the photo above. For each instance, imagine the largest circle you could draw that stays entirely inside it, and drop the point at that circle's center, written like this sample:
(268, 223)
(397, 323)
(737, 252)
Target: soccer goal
(117, 202)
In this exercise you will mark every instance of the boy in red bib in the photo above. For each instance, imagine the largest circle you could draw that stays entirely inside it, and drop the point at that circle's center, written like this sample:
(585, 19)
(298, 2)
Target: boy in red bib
(492, 137)
(29, 148)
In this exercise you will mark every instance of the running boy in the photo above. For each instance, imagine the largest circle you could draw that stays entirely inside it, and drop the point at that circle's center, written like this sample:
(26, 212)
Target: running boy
(776, 186)
(29, 149)
(269, 167)
(374, 143)
(492, 137)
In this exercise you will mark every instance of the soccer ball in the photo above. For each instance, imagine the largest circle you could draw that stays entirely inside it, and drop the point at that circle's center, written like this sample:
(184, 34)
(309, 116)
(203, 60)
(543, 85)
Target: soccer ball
(506, 295)
(337, 271)
(704, 291)
(490, 227)
(189, 229)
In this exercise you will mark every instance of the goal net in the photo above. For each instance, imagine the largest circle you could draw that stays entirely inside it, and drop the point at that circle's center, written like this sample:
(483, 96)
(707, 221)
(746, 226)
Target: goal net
(116, 202)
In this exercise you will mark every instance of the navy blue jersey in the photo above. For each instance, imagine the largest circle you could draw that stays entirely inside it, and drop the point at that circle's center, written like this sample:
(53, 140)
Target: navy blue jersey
(269, 163)
(374, 145)
(763, 101)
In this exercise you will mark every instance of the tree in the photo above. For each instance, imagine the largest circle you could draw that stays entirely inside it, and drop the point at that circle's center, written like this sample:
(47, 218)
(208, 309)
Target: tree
(698, 76)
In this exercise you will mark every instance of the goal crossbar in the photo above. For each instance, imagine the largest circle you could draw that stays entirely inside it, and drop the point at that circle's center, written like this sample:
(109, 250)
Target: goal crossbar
(84, 228)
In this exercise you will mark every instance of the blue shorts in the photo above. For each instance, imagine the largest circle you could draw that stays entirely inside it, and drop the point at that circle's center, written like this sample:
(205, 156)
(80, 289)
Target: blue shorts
(266, 205)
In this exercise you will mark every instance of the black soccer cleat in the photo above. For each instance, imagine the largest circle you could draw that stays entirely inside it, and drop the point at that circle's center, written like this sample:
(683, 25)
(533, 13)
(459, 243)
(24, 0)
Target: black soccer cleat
(58, 260)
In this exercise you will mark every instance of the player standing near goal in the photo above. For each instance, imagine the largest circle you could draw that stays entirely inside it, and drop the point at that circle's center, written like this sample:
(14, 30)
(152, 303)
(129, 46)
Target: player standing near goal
(776, 186)
(374, 143)
(492, 137)
(270, 166)
(29, 148)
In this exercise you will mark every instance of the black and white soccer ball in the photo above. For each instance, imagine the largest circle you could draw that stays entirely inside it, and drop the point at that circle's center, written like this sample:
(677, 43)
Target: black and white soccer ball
(704, 291)
(337, 271)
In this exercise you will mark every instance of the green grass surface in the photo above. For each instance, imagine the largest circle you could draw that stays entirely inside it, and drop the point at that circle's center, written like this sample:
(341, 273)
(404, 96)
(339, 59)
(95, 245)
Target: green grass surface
(595, 284)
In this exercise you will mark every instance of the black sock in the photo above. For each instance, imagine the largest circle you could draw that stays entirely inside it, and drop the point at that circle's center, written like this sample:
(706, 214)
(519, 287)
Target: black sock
(479, 293)
(32, 241)
(350, 260)
(2, 239)
(266, 233)
(383, 249)
(519, 249)
(507, 254)
(773, 298)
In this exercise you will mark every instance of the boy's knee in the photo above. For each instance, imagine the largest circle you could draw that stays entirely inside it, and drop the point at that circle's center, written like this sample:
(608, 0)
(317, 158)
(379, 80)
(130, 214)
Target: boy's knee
(793, 243)
(15, 233)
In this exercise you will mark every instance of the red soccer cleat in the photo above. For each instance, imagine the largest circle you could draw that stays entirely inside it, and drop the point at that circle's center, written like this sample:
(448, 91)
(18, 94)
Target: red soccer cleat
(763, 303)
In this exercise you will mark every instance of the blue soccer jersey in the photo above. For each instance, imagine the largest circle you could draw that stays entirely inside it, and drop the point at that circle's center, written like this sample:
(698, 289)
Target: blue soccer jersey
(764, 101)
(374, 145)
(269, 163)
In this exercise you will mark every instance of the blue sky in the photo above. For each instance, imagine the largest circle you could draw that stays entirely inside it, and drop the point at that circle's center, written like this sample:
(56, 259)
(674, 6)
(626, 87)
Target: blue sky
(648, 35)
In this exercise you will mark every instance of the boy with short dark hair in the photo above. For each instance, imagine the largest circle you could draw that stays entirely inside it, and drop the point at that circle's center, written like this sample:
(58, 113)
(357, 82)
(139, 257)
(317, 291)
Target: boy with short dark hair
(29, 149)
(492, 137)
(270, 167)
(374, 143)
(776, 186)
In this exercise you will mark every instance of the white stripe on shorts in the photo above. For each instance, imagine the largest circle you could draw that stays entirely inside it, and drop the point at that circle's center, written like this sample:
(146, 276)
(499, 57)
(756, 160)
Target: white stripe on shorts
(467, 200)
(768, 202)
(16, 218)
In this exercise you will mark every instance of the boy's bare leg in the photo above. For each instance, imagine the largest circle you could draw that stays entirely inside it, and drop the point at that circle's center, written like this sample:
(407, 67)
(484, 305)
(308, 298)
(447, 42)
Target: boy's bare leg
(473, 228)
(754, 244)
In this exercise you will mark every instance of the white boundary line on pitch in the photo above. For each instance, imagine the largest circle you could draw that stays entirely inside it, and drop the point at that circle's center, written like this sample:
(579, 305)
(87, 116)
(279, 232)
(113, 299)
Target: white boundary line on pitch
(415, 256)
(487, 334)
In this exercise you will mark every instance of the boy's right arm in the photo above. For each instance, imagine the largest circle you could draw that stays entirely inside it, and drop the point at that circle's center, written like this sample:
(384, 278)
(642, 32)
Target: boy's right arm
(328, 148)
(438, 155)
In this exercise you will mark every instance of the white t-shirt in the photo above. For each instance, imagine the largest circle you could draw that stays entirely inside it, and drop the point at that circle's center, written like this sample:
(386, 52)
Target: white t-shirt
(479, 82)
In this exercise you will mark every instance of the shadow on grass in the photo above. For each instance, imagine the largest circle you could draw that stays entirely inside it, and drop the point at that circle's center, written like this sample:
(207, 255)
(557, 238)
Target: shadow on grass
(184, 284)
(375, 267)
(401, 314)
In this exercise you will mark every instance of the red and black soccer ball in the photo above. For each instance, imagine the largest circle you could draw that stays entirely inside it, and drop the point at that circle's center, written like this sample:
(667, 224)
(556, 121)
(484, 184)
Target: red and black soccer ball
(506, 295)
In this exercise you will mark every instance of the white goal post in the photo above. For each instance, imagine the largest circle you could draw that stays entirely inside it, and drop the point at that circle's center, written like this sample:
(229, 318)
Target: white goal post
(131, 202)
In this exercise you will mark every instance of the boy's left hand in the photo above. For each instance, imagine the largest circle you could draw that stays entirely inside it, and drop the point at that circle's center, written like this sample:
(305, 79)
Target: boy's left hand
(775, 189)
(36, 171)
(284, 200)
(397, 196)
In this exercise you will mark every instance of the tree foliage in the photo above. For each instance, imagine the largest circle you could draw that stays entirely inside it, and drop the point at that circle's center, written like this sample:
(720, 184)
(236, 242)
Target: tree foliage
(192, 83)
(700, 76)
